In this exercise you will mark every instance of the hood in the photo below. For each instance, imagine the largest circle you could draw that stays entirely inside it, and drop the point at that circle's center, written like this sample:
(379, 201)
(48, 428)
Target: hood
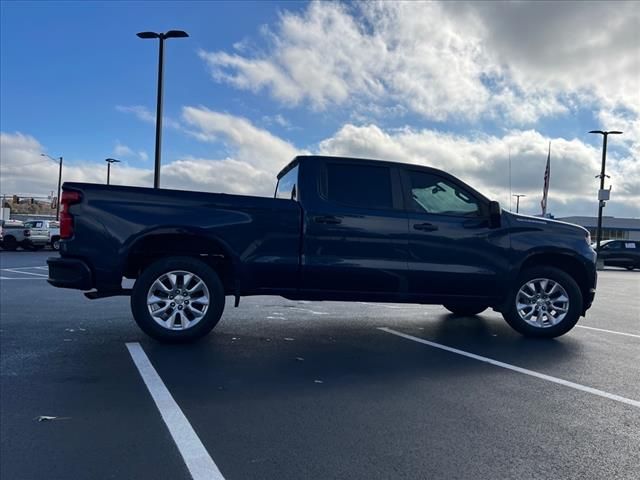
(546, 224)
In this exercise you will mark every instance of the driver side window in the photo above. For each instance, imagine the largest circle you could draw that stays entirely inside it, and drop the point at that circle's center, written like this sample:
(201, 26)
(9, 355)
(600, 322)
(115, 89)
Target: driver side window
(436, 195)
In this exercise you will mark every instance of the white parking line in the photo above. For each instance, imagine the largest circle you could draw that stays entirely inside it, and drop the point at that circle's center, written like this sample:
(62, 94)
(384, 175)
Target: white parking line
(30, 278)
(13, 270)
(199, 463)
(549, 378)
(609, 331)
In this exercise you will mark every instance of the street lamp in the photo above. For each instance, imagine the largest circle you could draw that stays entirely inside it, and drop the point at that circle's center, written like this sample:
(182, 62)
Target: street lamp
(518, 195)
(59, 160)
(162, 37)
(601, 200)
(109, 162)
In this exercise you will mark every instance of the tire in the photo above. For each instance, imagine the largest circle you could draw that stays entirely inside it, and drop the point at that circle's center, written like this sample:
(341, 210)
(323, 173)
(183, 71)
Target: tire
(547, 315)
(10, 243)
(195, 319)
(55, 243)
(465, 310)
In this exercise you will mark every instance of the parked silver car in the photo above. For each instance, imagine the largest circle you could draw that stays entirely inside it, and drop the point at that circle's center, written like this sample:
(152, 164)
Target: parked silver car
(38, 236)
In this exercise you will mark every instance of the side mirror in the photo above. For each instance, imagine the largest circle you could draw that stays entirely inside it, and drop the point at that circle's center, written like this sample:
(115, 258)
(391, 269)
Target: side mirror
(495, 214)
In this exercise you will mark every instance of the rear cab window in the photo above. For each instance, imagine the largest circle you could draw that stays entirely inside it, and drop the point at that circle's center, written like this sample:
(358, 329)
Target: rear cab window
(287, 187)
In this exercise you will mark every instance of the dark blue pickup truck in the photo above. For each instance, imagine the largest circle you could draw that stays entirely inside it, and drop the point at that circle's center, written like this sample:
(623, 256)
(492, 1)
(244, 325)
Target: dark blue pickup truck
(338, 229)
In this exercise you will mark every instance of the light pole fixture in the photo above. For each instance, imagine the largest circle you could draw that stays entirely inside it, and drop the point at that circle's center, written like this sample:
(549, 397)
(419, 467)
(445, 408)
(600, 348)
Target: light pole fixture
(109, 162)
(162, 37)
(601, 192)
(59, 161)
(518, 195)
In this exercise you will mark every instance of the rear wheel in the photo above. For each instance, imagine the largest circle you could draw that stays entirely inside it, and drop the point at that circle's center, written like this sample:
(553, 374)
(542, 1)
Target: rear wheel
(177, 299)
(9, 243)
(466, 310)
(546, 303)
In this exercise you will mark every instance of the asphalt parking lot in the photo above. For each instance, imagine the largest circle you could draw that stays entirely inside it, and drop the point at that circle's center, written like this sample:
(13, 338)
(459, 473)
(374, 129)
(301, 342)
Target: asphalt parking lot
(317, 390)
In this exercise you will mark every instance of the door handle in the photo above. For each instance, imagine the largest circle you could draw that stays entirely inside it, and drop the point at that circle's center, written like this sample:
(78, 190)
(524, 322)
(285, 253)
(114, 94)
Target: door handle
(425, 227)
(327, 219)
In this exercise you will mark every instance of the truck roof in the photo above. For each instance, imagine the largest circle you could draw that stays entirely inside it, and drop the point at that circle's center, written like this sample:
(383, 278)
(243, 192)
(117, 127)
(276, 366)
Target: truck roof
(306, 158)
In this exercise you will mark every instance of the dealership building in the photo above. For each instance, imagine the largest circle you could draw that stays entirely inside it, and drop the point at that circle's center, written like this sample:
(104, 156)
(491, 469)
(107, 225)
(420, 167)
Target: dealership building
(612, 227)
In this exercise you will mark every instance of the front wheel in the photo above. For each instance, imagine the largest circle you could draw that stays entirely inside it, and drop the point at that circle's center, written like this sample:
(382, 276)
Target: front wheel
(177, 299)
(546, 303)
(466, 310)
(55, 243)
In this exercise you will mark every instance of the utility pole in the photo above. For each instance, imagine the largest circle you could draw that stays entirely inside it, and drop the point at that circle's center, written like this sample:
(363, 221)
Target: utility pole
(518, 201)
(162, 37)
(602, 193)
(59, 182)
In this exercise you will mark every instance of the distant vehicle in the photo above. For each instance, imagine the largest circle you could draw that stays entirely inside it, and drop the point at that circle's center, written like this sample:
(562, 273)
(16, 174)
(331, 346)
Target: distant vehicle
(38, 235)
(13, 234)
(337, 229)
(53, 230)
(54, 234)
(620, 253)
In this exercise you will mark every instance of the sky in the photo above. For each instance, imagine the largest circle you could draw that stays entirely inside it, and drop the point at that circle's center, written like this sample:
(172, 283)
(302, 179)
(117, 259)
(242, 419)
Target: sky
(461, 86)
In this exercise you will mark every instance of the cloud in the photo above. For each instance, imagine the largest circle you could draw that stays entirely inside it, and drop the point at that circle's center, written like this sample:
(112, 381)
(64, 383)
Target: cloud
(123, 151)
(254, 156)
(482, 161)
(255, 146)
(143, 113)
(516, 61)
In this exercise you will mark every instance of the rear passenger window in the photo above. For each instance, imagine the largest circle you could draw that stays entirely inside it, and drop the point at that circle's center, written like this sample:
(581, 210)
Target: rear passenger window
(288, 185)
(359, 185)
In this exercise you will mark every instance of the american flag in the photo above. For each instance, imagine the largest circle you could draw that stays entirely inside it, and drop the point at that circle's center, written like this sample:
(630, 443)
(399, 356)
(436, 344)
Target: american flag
(545, 190)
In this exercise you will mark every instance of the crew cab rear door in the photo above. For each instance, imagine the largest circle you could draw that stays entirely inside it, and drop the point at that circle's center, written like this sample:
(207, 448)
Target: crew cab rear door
(452, 250)
(355, 237)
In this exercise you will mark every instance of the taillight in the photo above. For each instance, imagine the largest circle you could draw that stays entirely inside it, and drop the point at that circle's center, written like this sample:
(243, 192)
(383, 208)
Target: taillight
(66, 220)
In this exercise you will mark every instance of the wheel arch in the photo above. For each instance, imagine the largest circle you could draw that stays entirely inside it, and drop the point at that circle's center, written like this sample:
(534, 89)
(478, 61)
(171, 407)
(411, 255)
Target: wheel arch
(563, 261)
(213, 251)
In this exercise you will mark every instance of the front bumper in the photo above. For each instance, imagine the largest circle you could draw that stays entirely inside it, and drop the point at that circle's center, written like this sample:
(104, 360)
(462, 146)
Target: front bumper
(69, 273)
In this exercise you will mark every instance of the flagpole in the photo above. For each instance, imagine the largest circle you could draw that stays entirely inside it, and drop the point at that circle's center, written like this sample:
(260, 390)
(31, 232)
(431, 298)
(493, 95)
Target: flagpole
(547, 178)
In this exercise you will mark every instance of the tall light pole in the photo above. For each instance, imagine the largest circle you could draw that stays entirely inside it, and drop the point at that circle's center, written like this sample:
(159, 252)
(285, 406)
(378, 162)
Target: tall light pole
(59, 160)
(602, 175)
(162, 37)
(109, 162)
(518, 195)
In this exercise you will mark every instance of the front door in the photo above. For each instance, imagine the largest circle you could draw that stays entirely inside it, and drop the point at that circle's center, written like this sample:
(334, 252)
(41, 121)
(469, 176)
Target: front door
(452, 250)
(355, 232)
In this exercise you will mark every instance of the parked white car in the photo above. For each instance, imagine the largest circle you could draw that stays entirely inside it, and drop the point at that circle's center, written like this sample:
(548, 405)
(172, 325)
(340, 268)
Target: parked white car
(13, 234)
(36, 235)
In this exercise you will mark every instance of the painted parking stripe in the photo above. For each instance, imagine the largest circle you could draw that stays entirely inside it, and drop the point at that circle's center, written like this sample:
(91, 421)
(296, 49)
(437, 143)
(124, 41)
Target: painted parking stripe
(23, 278)
(549, 378)
(13, 270)
(609, 331)
(199, 463)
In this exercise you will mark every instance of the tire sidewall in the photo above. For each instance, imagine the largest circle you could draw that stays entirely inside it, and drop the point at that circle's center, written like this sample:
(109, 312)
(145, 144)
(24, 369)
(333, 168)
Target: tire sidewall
(150, 274)
(568, 322)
